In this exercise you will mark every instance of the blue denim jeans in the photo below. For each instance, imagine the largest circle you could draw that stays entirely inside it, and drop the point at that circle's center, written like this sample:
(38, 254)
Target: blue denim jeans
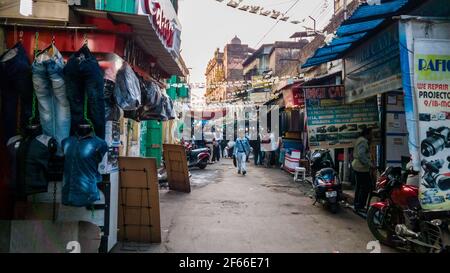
(50, 89)
(84, 80)
(15, 86)
(241, 161)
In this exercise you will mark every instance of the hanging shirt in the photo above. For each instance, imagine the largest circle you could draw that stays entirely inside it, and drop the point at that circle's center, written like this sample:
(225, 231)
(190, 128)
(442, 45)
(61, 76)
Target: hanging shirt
(81, 175)
(30, 164)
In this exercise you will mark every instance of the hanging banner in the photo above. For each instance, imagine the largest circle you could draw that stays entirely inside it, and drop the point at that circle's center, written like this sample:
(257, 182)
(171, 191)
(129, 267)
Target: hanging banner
(293, 96)
(424, 54)
(432, 93)
(374, 67)
(331, 122)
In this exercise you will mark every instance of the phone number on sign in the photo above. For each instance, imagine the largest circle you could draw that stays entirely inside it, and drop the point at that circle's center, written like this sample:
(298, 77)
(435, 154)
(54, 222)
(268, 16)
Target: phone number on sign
(436, 103)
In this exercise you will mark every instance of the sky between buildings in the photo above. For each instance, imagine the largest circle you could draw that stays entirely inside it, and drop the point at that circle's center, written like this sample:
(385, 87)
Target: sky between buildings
(209, 24)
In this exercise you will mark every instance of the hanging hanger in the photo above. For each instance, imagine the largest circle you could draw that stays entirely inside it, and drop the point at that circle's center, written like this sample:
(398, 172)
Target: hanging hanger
(20, 36)
(85, 40)
(48, 48)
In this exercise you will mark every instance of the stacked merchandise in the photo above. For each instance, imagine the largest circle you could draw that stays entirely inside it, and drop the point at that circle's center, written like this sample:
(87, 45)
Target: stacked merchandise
(54, 116)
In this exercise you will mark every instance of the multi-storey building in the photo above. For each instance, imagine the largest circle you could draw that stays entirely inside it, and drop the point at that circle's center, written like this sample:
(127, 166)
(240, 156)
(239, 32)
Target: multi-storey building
(226, 67)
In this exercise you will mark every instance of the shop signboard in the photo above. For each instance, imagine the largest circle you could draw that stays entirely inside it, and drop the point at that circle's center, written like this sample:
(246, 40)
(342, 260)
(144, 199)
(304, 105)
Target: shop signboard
(425, 60)
(331, 122)
(432, 92)
(293, 98)
(258, 82)
(374, 67)
(165, 20)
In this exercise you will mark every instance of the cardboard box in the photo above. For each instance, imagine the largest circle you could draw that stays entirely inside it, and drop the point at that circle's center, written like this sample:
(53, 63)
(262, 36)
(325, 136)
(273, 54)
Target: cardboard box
(46, 10)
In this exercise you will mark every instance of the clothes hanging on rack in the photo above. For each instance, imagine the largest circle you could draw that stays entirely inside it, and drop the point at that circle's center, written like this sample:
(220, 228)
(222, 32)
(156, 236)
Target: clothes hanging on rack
(112, 110)
(50, 90)
(15, 83)
(127, 90)
(5, 187)
(30, 157)
(84, 77)
(155, 105)
(82, 158)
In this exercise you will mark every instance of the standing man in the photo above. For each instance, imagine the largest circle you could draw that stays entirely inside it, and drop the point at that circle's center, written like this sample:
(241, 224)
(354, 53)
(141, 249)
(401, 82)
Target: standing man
(256, 145)
(362, 165)
(241, 152)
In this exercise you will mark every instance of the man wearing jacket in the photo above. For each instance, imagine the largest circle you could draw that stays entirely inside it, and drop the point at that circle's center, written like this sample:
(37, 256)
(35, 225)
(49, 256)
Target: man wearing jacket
(362, 165)
(241, 152)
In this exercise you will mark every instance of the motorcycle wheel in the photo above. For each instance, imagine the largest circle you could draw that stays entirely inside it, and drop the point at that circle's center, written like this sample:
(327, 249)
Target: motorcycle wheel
(333, 207)
(202, 165)
(381, 231)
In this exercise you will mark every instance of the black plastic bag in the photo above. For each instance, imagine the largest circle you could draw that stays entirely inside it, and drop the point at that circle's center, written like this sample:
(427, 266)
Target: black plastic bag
(127, 90)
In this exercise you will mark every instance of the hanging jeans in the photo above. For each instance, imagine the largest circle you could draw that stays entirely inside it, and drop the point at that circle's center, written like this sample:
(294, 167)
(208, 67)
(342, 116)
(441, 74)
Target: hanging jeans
(15, 85)
(84, 81)
(50, 89)
(241, 159)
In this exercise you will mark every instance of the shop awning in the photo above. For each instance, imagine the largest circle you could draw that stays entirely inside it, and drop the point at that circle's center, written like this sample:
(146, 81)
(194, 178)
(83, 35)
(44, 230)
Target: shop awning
(366, 19)
(146, 36)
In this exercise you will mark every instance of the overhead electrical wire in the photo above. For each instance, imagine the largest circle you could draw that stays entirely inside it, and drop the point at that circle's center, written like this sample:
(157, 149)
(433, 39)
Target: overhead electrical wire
(276, 23)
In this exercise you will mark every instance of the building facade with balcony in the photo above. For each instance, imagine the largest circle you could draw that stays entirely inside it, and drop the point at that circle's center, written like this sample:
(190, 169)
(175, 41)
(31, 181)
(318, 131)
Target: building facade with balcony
(226, 67)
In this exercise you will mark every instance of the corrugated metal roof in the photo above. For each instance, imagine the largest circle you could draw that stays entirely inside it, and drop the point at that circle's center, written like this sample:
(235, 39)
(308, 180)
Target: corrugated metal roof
(355, 28)
(365, 12)
(364, 20)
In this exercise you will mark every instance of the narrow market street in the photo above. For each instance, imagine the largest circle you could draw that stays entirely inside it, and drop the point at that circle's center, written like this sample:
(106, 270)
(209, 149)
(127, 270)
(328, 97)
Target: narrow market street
(126, 125)
(264, 211)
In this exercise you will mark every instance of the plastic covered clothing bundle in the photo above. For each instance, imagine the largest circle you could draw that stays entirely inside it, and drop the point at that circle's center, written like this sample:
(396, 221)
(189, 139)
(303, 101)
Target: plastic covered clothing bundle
(155, 105)
(112, 110)
(127, 90)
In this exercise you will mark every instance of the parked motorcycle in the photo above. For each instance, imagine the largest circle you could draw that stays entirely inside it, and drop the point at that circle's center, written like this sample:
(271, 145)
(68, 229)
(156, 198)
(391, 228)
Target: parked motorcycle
(397, 219)
(197, 157)
(326, 183)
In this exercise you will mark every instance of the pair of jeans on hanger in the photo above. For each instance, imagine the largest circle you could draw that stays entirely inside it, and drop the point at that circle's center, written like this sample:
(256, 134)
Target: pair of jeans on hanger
(84, 80)
(50, 90)
(15, 85)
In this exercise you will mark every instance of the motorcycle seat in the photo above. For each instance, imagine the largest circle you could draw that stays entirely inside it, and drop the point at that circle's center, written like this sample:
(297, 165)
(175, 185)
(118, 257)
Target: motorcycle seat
(201, 150)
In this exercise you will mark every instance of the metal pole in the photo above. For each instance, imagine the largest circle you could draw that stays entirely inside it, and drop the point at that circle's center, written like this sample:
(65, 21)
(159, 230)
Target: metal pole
(345, 10)
(314, 20)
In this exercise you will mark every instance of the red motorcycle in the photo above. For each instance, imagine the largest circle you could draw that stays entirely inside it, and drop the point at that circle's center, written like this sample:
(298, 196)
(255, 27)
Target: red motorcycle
(397, 219)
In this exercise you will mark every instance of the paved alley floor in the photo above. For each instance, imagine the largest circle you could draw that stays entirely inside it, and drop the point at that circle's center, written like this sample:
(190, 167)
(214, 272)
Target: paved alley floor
(264, 211)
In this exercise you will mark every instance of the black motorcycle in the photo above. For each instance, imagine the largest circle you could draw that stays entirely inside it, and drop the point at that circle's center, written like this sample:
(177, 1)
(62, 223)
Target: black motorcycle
(326, 183)
(197, 157)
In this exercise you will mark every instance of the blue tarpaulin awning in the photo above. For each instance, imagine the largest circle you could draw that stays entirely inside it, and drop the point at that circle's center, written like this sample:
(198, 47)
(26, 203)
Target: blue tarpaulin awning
(364, 20)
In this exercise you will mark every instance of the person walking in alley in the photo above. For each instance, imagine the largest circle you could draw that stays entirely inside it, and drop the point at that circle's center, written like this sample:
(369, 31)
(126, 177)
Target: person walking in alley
(241, 152)
(362, 165)
(216, 151)
(256, 145)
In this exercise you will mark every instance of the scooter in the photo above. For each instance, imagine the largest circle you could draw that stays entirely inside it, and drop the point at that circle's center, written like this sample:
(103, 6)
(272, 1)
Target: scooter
(197, 157)
(398, 220)
(326, 183)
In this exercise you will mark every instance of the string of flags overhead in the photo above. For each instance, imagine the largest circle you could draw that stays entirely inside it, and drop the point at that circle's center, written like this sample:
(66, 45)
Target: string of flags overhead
(267, 12)
(243, 83)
